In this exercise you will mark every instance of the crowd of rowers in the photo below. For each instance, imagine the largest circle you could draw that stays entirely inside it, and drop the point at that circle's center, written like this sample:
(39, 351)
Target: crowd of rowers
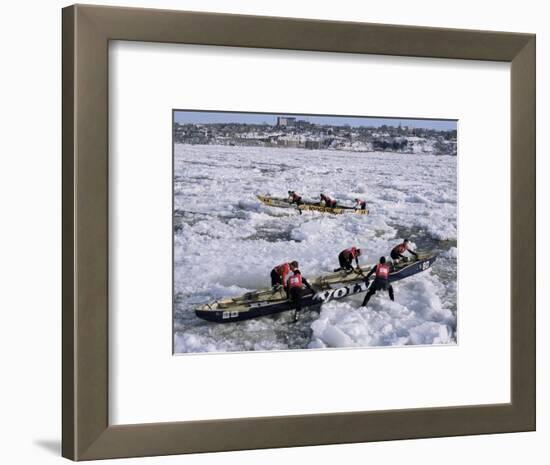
(288, 275)
(324, 201)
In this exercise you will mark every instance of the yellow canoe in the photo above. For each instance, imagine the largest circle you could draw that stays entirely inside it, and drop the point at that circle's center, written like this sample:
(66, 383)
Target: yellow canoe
(311, 206)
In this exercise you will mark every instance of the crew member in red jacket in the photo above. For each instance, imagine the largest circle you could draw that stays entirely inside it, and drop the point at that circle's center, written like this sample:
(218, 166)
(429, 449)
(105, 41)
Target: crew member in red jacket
(294, 289)
(381, 280)
(280, 272)
(398, 251)
(360, 204)
(346, 257)
(293, 197)
(327, 201)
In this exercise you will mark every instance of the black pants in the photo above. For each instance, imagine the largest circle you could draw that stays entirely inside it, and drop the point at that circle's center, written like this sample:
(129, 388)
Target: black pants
(378, 285)
(295, 296)
(275, 278)
(396, 256)
(345, 263)
(298, 203)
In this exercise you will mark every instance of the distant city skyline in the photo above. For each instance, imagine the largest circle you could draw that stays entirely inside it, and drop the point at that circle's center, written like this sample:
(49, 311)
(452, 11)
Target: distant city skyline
(209, 117)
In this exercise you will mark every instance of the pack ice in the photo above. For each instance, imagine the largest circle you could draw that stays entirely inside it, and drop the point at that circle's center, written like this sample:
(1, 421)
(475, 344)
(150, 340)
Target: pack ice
(226, 243)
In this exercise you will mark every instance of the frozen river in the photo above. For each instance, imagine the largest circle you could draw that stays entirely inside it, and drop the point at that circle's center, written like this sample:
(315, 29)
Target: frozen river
(226, 243)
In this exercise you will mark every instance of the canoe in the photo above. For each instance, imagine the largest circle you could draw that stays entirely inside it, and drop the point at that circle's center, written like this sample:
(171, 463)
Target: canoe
(331, 286)
(309, 206)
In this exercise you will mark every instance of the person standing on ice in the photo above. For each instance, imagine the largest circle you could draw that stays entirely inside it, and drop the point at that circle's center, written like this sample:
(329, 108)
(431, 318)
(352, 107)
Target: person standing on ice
(346, 257)
(327, 201)
(295, 291)
(280, 272)
(381, 280)
(360, 204)
(398, 251)
(293, 197)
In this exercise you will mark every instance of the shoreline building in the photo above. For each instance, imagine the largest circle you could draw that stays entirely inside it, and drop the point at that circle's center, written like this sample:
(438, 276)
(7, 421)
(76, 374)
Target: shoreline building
(285, 121)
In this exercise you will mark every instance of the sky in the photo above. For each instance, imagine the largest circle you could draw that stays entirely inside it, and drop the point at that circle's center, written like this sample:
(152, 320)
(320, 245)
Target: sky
(204, 117)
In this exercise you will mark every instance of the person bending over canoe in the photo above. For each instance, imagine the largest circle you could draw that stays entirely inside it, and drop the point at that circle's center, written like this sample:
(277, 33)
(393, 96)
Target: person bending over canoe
(346, 258)
(280, 272)
(295, 291)
(327, 201)
(381, 280)
(398, 251)
(293, 197)
(360, 204)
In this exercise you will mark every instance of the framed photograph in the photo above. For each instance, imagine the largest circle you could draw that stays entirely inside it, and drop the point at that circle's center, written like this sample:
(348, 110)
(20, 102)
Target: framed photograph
(285, 232)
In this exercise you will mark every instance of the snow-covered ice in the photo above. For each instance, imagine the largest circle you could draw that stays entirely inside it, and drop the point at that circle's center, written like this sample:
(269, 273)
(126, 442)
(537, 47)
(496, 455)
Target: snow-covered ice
(226, 243)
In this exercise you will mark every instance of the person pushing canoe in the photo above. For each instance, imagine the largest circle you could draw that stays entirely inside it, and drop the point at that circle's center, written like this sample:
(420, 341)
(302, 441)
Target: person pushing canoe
(360, 204)
(295, 290)
(280, 272)
(327, 201)
(346, 258)
(398, 251)
(381, 280)
(293, 197)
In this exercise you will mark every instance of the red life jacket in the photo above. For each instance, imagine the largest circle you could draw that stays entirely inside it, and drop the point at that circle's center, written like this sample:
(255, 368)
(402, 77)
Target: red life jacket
(295, 281)
(296, 197)
(350, 253)
(383, 271)
(282, 269)
(401, 248)
(329, 201)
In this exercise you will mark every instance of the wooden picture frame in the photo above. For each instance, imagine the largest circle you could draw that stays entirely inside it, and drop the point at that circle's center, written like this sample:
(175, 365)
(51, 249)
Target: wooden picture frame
(86, 431)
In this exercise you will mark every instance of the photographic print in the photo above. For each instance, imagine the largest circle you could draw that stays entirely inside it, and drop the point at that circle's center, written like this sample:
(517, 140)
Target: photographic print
(296, 232)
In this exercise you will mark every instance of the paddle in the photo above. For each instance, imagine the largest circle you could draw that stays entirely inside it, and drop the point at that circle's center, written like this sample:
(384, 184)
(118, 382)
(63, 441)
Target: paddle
(359, 271)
